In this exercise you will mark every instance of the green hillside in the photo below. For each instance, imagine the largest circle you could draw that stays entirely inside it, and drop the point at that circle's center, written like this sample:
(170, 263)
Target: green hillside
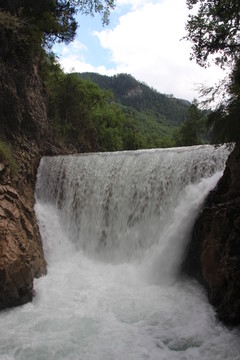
(156, 114)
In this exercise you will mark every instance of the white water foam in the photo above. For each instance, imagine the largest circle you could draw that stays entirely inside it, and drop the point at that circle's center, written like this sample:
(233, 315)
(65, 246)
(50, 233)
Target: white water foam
(116, 206)
(128, 304)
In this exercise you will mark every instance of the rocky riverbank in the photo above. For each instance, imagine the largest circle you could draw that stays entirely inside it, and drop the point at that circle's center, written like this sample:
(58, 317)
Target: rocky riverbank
(21, 251)
(213, 256)
(24, 126)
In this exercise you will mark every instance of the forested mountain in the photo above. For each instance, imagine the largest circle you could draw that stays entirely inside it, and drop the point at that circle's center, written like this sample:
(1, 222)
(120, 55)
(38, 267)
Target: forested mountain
(139, 96)
(155, 113)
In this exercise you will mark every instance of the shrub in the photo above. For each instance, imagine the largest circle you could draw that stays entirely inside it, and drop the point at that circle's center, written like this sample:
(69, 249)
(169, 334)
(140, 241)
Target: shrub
(6, 155)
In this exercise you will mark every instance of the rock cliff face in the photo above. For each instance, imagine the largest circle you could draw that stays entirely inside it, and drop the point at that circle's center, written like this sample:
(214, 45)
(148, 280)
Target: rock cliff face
(22, 102)
(21, 253)
(23, 123)
(213, 256)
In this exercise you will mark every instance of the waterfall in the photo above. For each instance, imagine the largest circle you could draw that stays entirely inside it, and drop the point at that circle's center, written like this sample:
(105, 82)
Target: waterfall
(117, 205)
(115, 227)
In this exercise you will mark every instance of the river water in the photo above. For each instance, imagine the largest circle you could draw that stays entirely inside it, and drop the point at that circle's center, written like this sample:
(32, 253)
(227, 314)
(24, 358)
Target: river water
(115, 227)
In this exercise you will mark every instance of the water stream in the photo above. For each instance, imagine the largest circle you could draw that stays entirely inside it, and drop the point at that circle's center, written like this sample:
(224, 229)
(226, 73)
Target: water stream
(115, 227)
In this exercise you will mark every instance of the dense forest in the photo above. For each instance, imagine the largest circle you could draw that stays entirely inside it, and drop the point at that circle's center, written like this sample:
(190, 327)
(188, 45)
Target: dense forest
(95, 112)
(140, 97)
(156, 115)
(89, 111)
(81, 113)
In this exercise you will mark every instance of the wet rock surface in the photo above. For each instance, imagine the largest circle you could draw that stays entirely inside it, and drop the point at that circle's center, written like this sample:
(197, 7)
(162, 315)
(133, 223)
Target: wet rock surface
(24, 126)
(21, 253)
(213, 256)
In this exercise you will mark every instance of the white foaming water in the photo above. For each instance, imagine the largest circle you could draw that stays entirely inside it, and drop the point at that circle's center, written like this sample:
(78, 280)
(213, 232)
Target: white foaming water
(115, 227)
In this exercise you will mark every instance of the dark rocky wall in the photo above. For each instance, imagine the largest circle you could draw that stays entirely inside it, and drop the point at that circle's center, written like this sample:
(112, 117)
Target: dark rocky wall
(21, 252)
(23, 124)
(213, 256)
(22, 101)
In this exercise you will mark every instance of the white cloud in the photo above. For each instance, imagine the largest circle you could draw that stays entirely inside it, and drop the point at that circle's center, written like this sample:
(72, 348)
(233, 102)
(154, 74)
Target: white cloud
(146, 44)
(77, 45)
(74, 47)
(134, 3)
(76, 63)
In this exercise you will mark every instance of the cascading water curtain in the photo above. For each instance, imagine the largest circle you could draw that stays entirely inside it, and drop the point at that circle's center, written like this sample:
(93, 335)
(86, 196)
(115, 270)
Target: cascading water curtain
(115, 226)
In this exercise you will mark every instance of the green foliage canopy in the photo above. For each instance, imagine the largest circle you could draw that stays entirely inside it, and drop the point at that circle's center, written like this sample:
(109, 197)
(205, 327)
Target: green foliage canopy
(225, 121)
(137, 96)
(214, 30)
(82, 114)
(153, 116)
(43, 22)
(192, 129)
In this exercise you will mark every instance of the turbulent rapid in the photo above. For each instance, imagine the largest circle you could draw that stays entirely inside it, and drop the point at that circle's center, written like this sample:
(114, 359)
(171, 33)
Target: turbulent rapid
(115, 227)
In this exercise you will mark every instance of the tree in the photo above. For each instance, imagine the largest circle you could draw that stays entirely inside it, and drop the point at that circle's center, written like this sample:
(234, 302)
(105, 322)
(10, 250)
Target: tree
(225, 121)
(43, 22)
(214, 30)
(71, 105)
(191, 130)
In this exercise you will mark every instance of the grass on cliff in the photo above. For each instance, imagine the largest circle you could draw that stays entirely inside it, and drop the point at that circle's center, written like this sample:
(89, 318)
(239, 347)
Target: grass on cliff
(6, 155)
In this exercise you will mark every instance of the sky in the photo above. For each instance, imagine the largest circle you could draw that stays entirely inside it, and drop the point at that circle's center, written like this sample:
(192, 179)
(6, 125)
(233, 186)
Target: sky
(143, 39)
